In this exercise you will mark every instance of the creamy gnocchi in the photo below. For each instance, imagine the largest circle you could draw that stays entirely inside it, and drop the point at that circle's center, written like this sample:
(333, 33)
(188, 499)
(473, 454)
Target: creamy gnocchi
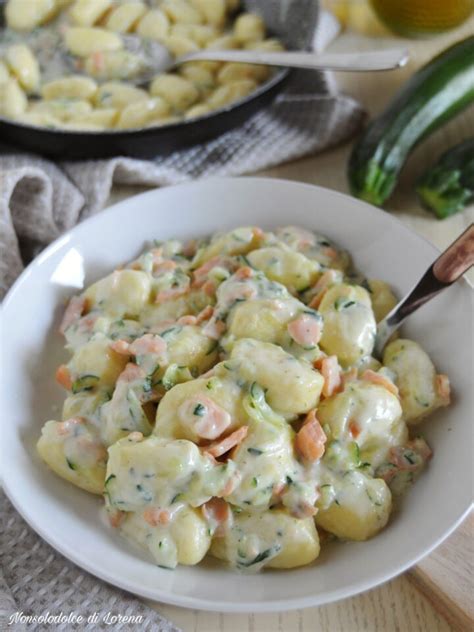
(101, 96)
(223, 399)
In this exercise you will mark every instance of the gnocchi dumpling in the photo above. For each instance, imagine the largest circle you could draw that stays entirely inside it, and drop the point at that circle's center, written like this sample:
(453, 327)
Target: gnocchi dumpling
(190, 347)
(367, 414)
(214, 11)
(124, 17)
(200, 34)
(421, 389)
(292, 386)
(202, 78)
(272, 539)
(73, 87)
(22, 16)
(231, 72)
(382, 298)
(24, 66)
(161, 472)
(231, 92)
(314, 246)
(180, 45)
(95, 363)
(239, 241)
(184, 540)
(359, 507)
(83, 41)
(179, 92)
(153, 25)
(103, 118)
(142, 112)
(74, 451)
(62, 109)
(121, 294)
(173, 309)
(113, 64)
(262, 319)
(182, 11)
(88, 12)
(202, 408)
(117, 94)
(223, 42)
(349, 323)
(249, 27)
(13, 101)
(285, 266)
(198, 110)
(266, 462)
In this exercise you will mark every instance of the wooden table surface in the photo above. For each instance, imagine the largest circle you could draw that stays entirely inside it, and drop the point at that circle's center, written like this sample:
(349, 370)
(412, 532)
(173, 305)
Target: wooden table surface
(397, 605)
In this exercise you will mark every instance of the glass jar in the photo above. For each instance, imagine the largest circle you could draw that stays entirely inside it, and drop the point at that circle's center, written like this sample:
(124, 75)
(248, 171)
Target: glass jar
(415, 18)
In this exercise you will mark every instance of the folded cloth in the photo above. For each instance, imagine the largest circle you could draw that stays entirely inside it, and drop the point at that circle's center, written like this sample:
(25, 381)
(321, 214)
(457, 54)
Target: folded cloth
(35, 581)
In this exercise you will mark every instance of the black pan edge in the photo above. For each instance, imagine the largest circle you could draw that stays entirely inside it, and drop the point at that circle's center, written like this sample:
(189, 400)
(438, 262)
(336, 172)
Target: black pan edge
(142, 143)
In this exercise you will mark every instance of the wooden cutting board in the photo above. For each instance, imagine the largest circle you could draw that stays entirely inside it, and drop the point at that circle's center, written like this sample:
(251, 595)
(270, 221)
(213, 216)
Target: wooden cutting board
(446, 577)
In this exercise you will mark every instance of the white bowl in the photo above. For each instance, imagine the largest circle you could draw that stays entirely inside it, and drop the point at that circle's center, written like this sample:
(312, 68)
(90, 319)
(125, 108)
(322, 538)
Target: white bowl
(69, 518)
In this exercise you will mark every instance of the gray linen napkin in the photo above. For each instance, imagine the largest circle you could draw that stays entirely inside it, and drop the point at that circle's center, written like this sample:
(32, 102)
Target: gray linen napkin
(39, 582)
(39, 200)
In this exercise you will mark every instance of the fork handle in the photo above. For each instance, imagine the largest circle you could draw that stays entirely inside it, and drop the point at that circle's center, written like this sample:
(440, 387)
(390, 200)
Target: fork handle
(456, 259)
(447, 268)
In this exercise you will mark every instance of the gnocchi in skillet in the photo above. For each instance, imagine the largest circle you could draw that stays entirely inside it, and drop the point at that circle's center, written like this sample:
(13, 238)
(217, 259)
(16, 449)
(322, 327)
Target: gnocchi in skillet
(223, 399)
(100, 96)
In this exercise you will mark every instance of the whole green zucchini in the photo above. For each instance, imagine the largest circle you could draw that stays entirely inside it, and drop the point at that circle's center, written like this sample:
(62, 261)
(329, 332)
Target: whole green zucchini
(430, 97)
(448, 186)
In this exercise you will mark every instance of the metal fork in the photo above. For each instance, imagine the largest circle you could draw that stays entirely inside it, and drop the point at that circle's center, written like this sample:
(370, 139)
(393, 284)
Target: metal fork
(445, 271)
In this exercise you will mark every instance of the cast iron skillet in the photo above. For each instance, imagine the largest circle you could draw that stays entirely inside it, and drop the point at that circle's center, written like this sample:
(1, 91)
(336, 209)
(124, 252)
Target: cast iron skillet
(292, 21)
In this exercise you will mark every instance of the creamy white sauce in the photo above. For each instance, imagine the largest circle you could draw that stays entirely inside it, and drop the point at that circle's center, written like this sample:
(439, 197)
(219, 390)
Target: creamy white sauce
(238, 419)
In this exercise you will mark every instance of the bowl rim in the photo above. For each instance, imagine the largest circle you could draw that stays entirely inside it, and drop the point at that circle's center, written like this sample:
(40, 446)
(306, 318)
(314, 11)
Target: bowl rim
(65, 236)
(200, 603)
